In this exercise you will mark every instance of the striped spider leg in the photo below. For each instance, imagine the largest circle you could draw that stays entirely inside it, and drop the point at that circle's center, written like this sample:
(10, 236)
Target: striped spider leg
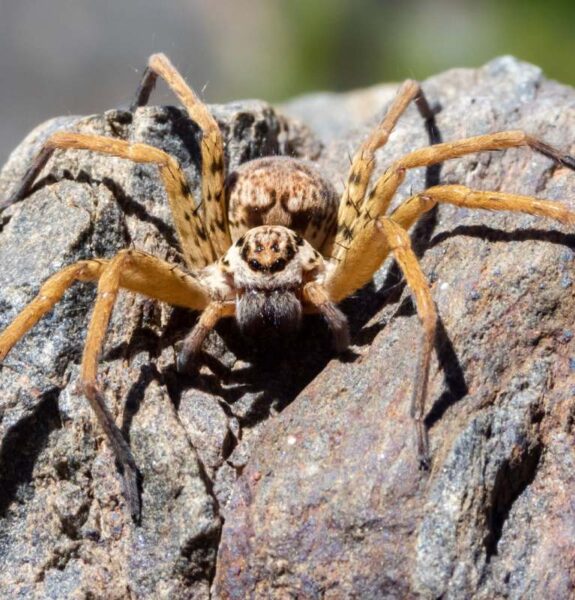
(269, 241)
(363, 243)
(203, 236)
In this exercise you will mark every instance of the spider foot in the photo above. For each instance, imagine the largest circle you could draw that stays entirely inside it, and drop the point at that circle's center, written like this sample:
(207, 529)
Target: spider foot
(187, 355)
(23, 188)
(340, 331)
(147, 84)
(563, 159)
(423, 455)
(192, 344)
(122, 452)
(424, 462)
(132, 490)
(186, 363)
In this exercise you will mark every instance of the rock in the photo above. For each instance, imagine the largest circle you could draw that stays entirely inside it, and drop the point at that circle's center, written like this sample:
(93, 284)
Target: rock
(65, 531)
(331, 503)
(323, 499)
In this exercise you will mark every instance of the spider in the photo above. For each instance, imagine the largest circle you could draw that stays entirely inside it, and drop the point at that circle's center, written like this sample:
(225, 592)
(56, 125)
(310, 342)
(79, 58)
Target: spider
(270, 241)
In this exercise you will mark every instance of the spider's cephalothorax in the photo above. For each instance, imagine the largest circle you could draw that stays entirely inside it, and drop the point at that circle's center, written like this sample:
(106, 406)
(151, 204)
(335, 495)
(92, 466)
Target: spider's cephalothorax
(281, 213)
(271, 241)
(267, 268)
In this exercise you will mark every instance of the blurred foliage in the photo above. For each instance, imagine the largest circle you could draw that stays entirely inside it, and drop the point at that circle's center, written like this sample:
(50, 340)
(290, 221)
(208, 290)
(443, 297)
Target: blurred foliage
(341, 44)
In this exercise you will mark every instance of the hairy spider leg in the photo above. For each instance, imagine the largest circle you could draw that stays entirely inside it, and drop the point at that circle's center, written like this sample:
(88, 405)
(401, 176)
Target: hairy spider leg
(22, 189)
(131, 270)
(409, 211)
(316, 298)
(211, 146)
(371, 245)
(50, 293)
(398, 242)
(367, 250)
(363, 162)
(348, 274)
(192, 234)
(194, 340)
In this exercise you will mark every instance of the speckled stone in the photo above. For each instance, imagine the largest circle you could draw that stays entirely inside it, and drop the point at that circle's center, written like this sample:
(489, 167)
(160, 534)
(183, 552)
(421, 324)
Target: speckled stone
(284, 472)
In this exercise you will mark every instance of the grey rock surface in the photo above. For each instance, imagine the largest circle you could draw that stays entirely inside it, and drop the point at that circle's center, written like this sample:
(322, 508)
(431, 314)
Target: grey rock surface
(285, 472)
(64, 530)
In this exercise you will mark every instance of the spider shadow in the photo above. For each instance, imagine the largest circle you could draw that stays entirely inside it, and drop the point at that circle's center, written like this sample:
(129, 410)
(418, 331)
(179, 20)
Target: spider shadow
(275, 373)
(445, 351)
(371, 302)
(490, 234)
(272, 372)
(21, 448)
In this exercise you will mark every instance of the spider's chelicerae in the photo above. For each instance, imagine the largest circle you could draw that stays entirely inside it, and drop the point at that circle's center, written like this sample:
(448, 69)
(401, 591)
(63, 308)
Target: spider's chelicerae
(270, 241)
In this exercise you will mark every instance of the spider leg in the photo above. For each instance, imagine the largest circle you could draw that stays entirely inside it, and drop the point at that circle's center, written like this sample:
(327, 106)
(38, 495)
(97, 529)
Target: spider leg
(383, 236)
(108, 287)
(363, 162)
(127, 269)
(132, 270)
(50, 293)
(367, 249)
(192, 234)
(315, 295)
(399, 243)
(356, 266)
(386, 186)
(212, 148)
(22, 189)
(194, 340)
(409, 211)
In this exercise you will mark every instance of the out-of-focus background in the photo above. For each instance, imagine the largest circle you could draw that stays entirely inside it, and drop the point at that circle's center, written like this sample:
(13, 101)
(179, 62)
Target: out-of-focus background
(83, 56)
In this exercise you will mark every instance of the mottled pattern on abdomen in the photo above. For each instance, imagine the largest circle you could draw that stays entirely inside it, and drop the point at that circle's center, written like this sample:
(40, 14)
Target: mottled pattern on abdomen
(283, 191)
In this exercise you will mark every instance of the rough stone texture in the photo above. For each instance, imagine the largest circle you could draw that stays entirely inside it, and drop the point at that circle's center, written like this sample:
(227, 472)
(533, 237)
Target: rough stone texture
(323, 499)
(331, 503)
(64, 530)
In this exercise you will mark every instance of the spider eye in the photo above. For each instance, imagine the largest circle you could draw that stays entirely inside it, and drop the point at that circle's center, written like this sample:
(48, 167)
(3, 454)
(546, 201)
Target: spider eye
(255, 265)
(259, 247)
(275, 247)
(278, 265)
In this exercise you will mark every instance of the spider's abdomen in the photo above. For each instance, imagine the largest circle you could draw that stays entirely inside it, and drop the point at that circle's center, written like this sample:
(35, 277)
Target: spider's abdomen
(282, 191)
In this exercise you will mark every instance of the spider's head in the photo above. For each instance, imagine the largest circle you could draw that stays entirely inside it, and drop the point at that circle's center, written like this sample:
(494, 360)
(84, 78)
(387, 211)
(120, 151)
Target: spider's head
(267, 268)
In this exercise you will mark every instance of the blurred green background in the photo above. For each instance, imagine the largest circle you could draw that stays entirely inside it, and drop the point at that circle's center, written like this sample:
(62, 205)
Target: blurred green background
(342, 43)
(84, 56)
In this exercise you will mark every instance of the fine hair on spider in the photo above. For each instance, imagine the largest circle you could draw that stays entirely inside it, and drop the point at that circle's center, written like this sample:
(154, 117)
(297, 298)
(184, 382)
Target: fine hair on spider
(270, 241)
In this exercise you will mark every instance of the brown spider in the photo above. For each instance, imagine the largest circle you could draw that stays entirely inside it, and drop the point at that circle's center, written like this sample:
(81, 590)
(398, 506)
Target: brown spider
(270, 241)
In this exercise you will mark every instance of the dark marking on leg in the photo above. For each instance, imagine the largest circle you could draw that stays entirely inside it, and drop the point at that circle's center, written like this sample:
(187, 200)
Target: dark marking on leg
(33, 171)
(145, 88)
(185, 189)
(217, 166)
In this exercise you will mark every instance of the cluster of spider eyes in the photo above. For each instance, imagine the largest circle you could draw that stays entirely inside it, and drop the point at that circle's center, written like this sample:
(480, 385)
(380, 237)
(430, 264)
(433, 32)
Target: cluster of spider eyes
(276, 266)
(275, 247)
